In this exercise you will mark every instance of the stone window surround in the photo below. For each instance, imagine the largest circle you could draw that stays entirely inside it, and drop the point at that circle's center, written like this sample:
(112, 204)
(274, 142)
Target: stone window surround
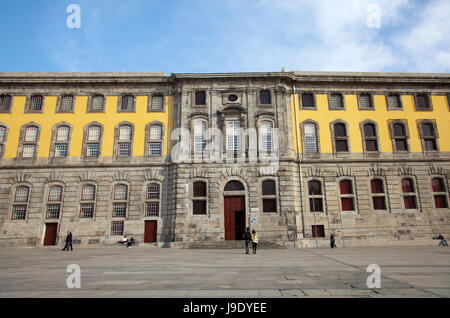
(28, 104)
(145, 200)
(263, 118)
(85, 141)
(226, 94)
(192, 127)
(90, 102)
(421, 135)
(262, 197)
(119, 103)
(11, 96)
(4, 142)
(243, 125)
(446, 193)
(322, 196)
(22, 141)
(53, 141)
(150, 101)
(343, 154)
(363, 135)
(59, 100)
(415, 193)
(191, 195)
(354, 195)
(258, 97)
(207, 95)
(399, 95)
(372, 102)
(330, 107)
(117, 141)
(112, 201)
(430, 101)
(12, 201)
(391, 131)
(46, 201)
(300, 100)
(81, 201)
(385, 194)
(147, 140)
(302, 130)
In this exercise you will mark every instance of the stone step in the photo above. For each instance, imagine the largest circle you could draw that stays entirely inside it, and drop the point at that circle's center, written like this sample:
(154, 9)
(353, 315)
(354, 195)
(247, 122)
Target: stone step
(231, 245)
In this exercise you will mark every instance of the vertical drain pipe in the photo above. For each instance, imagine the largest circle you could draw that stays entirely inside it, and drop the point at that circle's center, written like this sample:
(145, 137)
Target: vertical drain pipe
(299, 163)
(169, 136)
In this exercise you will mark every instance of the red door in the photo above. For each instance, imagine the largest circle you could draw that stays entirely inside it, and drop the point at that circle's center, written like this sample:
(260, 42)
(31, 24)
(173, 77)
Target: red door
(50, 234)
(234, 209)
(150, 231)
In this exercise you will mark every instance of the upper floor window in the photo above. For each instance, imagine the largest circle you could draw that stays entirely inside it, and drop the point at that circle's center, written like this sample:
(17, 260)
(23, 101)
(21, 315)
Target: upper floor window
(5, 103)
(265, 97)
(97, 104)
(266, 136)
(93, 141)
(347, 195)
(3, 136)
(428, 136)
(124, 140)
(340, 137)
(409, 194)
(66, 103)
(20, 204)
(370, 137)
(311, 138)
(423, 102)
(55, 197)
(378, 194)
(127, 103)
(365, 101)
(36, 103)
(30, 142)
(200, 197)
(87, 202)
(439, 193)
(233, 133)
(393, 101)
(199, 135)
(336, 101)
(269, 196)
(152, 200)
(157, 102)
(120, 200)
(400, 136)
(62, 141)
(155, 140)
(200, 98)
(308, 100)
(315, 196)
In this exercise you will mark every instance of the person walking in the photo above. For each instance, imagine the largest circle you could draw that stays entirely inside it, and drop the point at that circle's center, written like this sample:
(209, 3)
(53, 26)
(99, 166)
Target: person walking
(254, 241)
(247, 238)
(332, 241)
(443, 242)
(68, 242)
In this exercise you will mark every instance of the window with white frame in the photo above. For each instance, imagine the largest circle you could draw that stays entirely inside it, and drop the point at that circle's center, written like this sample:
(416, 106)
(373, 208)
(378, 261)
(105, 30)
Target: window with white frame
(152, 200)
(94, 135)
(155, 140)
(199, 135)
(124, 141)
(54, 202)
(87, 202)
(20, 204)
(3, 132)
(62, 141)
(311, 140)
(266, 136)
(157, 102)
(5, 103)
(30, 140)
(233, 132)
(66, 103)
(120, 200)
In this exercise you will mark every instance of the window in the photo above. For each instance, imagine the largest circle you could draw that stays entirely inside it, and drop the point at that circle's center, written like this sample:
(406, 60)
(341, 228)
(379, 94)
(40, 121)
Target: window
(429, 136)
(124, 142)
(308, 100)
(36, 103)
(55, 195)
(117, 227)
(423, 102)
(393, 101)
(61, 141)
(97, 103)
(155, 140)
(266, 136)
(120, 200)
(233, 136)
(347, 195)
(439, 193)
(20, 204)
(318, 231)
(5, 103)
(265, 97)
(152, 200)
(66, 103)
(200, 98)
(400, 137)
(199, 135)
(30, 142)
(87, 203)
(409, 194)
(315, 196)
(127, 104)
(3, 135)
(336, 101)
(340, 138)
(157, 102)
(234, 186)
(365, 101)
(93, 139)
(370, 137)
(199, 197)
(269, 196)
(378, 194)
(311, 140)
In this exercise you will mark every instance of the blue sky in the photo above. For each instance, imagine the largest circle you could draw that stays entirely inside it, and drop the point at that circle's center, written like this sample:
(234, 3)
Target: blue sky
(200, 36)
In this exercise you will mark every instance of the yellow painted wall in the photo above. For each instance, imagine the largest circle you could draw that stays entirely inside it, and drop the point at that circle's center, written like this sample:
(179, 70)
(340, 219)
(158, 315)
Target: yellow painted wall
(79, 119)
(353, 116)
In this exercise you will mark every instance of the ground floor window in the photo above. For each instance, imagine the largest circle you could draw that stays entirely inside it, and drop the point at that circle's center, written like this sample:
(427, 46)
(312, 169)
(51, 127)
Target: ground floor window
(318, 231)
(117, 227)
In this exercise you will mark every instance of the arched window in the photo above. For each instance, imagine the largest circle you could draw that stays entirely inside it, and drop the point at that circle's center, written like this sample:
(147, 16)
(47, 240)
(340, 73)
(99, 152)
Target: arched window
(269, 196)
(409, 194)
(439, 193)
(120, 200)
(311, 138)
(152, 200)
(3, 136)
(30, 142)
(20, 204)
(55, 197)
(400, 136)
(347, 195)
(315, 196)
(199, 135)
(200, 197)
(340, 137)
(266, 136)
(378, 194)
(429, 136)
(370, 137)
(61, 141)
(93, 139)
(155, 140)
(87, 203)
(124, 140)
(234, 186)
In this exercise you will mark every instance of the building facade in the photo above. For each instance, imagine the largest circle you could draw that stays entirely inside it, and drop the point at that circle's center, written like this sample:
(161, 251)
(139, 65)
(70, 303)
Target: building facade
(189, 158)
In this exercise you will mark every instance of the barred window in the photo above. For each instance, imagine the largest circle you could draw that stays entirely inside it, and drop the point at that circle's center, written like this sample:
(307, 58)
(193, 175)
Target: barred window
(370, 137)
(423, 101)
(67, 103)
(409, 194)
(86, 210)
(266, 136)
(21, 196)
(393, 101)
(88, 193)
(155, 142)
(117, 227)
(400, 137)
(19, 212)
(316, 198)
(200, 197)
(234, 186)
(199, 135)
(269, 196)
(365, 101)
(125, 132)
(61, 150)
(93, 150)
(265, 97)
(429, 137)
(36, 103)
(29, 151)
(233, 135)
(119, 209)
(378, 195)
(153, 191)
(200, 98)
(155, 149)
(439, 193)
(124, 149)
(3, 131)
(31, 134)
(53, 211)
(121, 192)
(157, 102)
(127, 103)
(152, 200)
(340, 138)
(336, 100)
(97, 103)
(55, 193)
(62, 133)
(93, 138)
(87, 204)
(311, 140)
(308, 100)
(5, 103)
(94, 133)
(347, 195)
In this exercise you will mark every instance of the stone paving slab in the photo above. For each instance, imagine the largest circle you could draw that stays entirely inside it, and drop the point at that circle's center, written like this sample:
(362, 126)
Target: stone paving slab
(207, 273)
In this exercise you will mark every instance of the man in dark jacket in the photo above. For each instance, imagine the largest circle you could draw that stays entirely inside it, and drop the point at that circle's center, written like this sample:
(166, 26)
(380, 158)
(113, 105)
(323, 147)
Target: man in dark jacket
(68, 242)
(247, 238)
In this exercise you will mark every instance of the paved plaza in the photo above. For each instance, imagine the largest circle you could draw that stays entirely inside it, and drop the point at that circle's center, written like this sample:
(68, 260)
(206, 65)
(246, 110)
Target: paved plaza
(229, 273)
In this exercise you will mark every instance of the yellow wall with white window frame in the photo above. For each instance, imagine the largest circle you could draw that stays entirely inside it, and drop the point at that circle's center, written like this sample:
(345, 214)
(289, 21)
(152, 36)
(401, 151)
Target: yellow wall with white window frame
(440, 113)
(79, 119)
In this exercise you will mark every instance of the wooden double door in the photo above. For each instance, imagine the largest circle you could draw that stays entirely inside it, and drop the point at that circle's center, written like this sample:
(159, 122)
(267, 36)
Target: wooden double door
(51, 233)
(150, 231)
(234, 209)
